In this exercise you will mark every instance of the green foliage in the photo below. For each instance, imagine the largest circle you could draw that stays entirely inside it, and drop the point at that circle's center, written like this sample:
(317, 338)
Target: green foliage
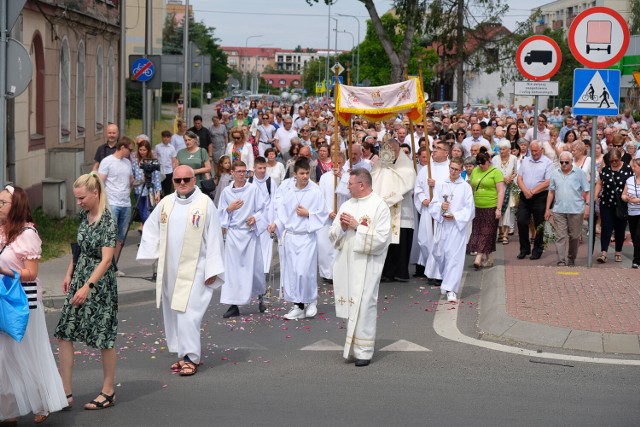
(634, 18)
(203, 37)
(56, 234)
(133, 103)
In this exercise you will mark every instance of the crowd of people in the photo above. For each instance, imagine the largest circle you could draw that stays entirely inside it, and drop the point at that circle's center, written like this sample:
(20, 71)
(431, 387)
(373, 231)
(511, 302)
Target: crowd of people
(351, 214)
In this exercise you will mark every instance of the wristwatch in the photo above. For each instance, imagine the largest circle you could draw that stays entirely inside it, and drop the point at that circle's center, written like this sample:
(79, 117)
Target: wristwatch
(91, 285)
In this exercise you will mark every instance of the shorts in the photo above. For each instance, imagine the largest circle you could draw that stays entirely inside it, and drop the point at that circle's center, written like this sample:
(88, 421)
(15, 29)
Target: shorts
(122, 217)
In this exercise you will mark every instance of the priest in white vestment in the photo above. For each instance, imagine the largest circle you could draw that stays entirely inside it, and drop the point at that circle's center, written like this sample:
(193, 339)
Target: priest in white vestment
(421, 197)
(240, 208)
(452, 209)
(300, 213)
(268, 187)
(361, 232)
(183, 234)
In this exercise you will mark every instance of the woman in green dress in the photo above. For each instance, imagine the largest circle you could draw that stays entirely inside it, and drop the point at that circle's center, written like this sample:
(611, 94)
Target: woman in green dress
(90, 312)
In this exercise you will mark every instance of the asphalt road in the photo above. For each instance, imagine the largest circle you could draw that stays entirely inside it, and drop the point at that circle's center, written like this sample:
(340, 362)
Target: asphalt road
(255, 373)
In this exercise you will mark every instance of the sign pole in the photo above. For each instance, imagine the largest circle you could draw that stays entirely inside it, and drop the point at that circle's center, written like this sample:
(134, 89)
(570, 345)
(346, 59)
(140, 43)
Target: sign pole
(535, 118)
(3, 88)
(592, 196)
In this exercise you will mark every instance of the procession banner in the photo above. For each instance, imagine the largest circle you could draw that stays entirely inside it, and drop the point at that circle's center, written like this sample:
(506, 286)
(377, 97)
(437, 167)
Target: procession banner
(380, 102)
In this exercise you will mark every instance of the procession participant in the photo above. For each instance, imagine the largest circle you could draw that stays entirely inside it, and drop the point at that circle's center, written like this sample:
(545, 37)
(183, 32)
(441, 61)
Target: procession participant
(361, 233)
(394, 182)
(189, 268)
(421, 199)
(568, 189)
(450, 234)
(326, 252)
(268, 187)
(241, 205)
(300, 212)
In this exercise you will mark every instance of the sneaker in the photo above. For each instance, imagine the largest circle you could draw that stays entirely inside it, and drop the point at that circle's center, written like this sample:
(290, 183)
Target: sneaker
(311, 310)
(452, 297)
(120, 273)
(295, 313)
(634, 266)
(443, 291)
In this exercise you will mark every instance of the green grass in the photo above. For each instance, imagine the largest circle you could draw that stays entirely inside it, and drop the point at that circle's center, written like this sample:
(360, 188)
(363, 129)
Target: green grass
(133, 128)
(56, 234)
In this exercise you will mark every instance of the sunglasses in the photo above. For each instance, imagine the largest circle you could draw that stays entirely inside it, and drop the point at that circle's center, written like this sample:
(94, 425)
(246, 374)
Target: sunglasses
(237, 138)
(420, 126)
(564, 162)
(617, 145)
(181, 180)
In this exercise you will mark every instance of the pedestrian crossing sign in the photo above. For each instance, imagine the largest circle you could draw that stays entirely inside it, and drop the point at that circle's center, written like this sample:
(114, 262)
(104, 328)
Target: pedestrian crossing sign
(596, 92)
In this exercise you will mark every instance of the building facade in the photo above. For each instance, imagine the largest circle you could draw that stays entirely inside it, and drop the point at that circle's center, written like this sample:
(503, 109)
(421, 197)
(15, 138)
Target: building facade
(561, 13)
(55, 126)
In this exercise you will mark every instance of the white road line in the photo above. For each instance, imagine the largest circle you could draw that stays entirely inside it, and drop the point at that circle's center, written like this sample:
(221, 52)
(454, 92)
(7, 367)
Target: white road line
(445, 323)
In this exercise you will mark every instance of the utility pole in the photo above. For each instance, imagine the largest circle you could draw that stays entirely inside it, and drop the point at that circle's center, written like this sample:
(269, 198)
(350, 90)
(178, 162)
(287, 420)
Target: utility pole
(186, 95)
(147, 94)
(3, 88)
(460, 55)
(122, 88)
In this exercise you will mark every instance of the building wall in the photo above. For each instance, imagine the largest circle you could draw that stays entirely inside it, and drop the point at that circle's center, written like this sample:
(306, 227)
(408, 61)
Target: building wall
(136, 17)
(560, 13)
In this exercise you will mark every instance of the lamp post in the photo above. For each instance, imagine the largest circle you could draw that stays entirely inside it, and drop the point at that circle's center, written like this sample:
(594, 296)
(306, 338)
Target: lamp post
(255, 87)
(353, 42)
(358, 55)
(244, 73)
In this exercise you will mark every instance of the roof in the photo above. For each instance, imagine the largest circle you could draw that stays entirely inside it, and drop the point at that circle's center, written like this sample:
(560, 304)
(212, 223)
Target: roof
(283, 80)
(251, 51)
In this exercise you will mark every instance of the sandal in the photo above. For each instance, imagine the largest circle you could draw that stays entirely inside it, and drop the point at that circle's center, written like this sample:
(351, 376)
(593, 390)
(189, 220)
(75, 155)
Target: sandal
(40, 418)
(176, 366)
(107, 403)
(69, 402)
(188, 369)
(618, 257)
(602, 259)
(505, 240)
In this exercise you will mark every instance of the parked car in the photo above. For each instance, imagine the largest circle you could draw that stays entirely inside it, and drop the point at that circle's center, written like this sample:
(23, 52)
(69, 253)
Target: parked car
(437, 105)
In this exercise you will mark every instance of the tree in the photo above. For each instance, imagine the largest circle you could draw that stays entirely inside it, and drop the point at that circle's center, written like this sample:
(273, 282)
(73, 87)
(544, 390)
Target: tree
(410, 15)
(203, 37)
(634, 18)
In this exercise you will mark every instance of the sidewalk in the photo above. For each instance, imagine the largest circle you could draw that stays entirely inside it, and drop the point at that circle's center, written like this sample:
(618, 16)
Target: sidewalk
(575, 308)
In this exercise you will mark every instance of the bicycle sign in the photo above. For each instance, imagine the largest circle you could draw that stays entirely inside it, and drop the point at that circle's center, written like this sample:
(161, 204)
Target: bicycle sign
(142, 70)
(598, 37)
(596, 92)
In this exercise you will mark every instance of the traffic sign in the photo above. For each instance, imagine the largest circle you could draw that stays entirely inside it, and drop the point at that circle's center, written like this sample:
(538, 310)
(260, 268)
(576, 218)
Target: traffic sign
(538, 58)
(596, 92)
(536, 88)
(598, 37)
(333, 80)
(337, 68)
(142, 70)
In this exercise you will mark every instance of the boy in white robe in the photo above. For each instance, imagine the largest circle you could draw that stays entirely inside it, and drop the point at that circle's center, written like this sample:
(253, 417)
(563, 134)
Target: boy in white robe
(300, 212)
(450, 232)
(188, 268)
(326, 251)
(268, 187)
(240, 208)
(361, 233)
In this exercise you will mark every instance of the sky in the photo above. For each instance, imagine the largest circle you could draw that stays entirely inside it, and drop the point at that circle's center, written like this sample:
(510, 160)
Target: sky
(288, 23)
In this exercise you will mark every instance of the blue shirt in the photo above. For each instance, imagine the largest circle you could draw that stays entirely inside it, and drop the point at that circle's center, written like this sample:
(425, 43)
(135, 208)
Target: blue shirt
(569, 190)
(534, 172)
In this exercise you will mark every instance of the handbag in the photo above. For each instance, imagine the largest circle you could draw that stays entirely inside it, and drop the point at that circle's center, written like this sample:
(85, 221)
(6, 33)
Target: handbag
(622, 210)
(14, 307)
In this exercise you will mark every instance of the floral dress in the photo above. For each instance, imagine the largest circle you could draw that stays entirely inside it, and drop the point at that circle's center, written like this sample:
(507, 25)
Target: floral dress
(95, 322)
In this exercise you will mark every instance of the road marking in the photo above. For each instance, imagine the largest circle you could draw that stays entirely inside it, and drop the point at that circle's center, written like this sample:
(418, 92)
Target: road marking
(322, 345)
(445, 323)
(568, 273)
(404, 345)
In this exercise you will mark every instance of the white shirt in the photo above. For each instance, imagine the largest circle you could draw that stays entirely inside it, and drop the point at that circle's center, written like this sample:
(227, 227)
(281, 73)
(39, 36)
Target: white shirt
(178, 142)
(118, 180)
(469, 141)
(165, 155)
(284, 136)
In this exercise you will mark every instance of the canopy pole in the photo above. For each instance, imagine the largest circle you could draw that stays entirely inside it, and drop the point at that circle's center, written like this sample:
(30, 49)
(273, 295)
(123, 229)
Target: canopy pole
(336, 146)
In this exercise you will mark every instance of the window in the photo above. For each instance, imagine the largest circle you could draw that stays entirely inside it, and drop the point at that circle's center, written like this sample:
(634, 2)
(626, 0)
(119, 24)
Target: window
(111, 79)
(99, 90)
(80, 91)
(65, 92)
(36, 95)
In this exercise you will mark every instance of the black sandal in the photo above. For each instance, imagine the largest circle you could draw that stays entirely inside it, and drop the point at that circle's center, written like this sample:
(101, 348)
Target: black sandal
(69, 404)
(107, 403)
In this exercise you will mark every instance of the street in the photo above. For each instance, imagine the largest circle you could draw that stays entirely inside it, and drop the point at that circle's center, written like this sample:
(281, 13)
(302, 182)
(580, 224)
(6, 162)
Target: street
(263, 370)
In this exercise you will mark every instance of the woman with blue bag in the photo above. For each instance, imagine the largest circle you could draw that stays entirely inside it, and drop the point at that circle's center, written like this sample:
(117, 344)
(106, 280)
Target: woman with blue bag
(29, 379)
(90, 312)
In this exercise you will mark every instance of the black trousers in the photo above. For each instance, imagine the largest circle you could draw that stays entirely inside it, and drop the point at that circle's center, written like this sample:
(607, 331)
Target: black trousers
(527, 208)
(397, 262)
(167, 184)
(634, 228)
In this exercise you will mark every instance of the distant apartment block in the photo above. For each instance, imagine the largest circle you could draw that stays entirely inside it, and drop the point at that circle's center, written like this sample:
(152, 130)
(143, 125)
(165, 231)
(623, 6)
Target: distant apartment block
(561, 13)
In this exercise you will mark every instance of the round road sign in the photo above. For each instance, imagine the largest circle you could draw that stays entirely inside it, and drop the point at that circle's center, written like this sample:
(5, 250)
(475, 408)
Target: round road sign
(142, 70)
(538, 58)
(598, 37)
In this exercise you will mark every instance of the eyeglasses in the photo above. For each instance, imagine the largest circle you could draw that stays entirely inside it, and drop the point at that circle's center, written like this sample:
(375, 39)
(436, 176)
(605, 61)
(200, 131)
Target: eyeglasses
(265, 118)
(455, 170)
(240, 172)
(3, 203)
(564, 162)
(181, 180)
(237, 138)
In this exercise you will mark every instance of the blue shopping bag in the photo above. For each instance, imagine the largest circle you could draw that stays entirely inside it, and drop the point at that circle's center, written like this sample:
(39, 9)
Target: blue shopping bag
(14, 307)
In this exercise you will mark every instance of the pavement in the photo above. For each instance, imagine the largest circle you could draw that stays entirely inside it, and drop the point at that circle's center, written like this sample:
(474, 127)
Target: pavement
(520, 301)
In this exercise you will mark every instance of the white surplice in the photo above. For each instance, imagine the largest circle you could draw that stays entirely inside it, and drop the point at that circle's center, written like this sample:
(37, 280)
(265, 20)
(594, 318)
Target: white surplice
(358, 268)
(267, 217)
(326, 251)
(439, 172)
(450, 236)
(297, 242)
(243, 263)
(182, 329)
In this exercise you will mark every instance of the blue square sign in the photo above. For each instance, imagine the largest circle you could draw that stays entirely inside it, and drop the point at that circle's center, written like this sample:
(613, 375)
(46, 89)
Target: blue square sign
(596, 92)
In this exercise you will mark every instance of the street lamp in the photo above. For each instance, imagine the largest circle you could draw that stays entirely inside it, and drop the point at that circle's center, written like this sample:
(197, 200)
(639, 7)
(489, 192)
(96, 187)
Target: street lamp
(358, 57)
(255, 87)
(244, 73)
(353, 43)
